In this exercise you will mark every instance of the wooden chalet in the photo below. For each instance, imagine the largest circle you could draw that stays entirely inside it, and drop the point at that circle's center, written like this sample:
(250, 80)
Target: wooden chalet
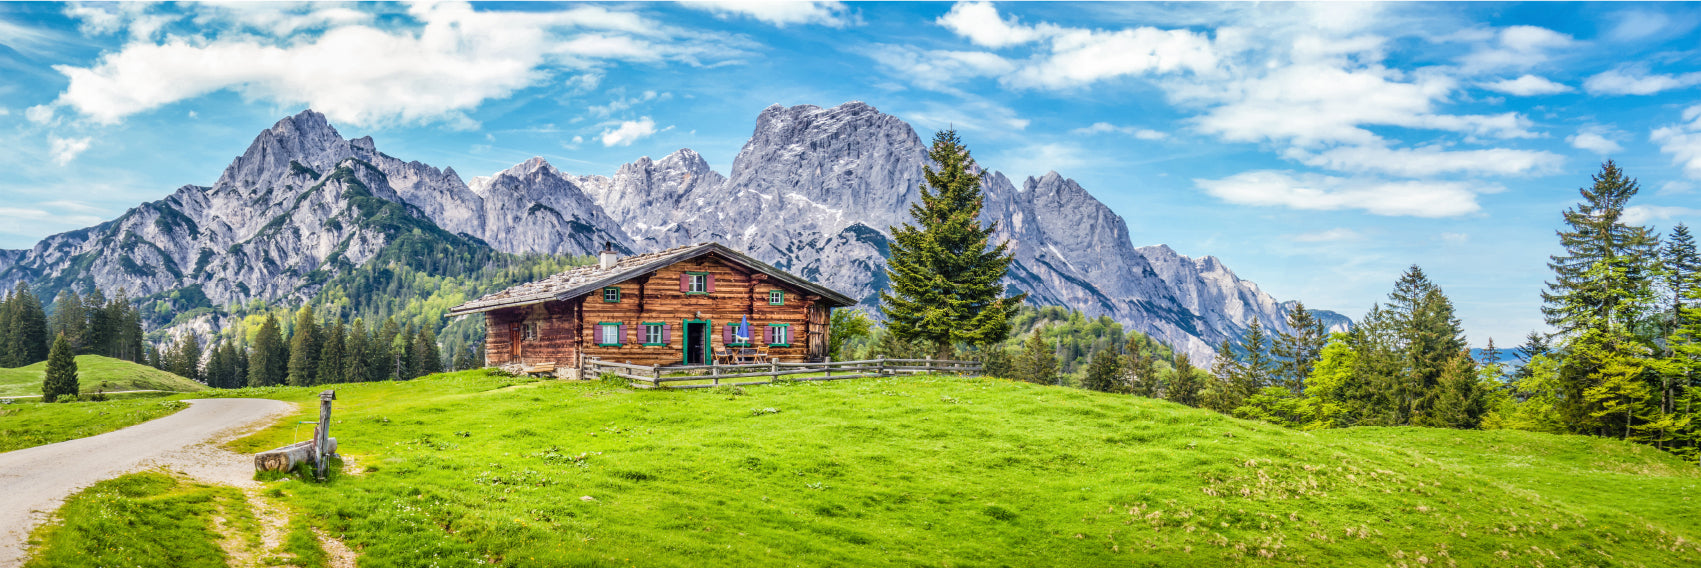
(680, 306)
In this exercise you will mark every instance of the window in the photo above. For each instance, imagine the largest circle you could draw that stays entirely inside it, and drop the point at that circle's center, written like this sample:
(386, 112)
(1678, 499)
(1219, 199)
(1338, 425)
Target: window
(779, 334)
(776, 297)
(733, 339)
(528, 331)
(697, 283)
(611, 294)
(655, 334)
(608, 334)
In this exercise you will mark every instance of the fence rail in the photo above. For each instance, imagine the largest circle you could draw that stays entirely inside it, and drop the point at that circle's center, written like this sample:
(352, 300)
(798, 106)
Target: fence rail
(709, 376)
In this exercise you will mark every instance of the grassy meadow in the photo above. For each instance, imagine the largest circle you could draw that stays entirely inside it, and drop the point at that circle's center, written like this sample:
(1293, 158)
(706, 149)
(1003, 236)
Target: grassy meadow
(468, 469)
(97, 373)
(30, 424)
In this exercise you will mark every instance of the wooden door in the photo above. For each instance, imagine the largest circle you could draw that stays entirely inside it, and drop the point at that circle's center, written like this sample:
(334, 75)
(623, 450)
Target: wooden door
(515, 335)
(818, 332)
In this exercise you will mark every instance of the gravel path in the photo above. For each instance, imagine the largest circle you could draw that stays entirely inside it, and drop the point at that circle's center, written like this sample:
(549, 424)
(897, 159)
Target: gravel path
(34, 481)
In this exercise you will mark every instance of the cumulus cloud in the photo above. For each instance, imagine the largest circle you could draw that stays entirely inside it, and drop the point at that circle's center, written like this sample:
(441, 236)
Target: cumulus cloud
(973, 114)
(1527, 86)
(939, 69)
(624, 103)
(1594, 139)
(1642, 214)
(1429, 161)
(629, 131)
(779, 13)
(981, 24)
(1106, 127)
(1330, 193)
(1631, 81)
(1310, 105)
(64, 150)
(1682, 141)
(357, 74)
(1516, 47)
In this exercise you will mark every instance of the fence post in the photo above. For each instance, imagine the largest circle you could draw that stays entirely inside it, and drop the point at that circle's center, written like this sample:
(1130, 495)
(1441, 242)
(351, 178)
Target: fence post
(657, 370)
(774, 369)
(828, 367)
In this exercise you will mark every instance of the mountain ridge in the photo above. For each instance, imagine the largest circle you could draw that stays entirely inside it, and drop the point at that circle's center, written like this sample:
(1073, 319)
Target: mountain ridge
(812, 191)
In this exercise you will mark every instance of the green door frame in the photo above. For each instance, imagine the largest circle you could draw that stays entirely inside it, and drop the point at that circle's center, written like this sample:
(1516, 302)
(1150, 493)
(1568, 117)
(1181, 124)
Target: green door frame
(685, 345)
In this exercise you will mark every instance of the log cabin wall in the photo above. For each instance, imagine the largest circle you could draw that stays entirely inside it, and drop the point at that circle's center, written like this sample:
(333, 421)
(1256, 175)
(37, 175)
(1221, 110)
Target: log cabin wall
(736, 292)
(553, 339)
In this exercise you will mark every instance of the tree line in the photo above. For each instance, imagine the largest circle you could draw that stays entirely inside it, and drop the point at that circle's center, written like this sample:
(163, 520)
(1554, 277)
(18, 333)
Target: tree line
(311, 351)
(91, 325)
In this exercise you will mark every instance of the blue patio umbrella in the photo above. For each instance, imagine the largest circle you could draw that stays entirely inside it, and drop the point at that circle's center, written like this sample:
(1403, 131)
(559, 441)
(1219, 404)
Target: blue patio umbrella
(743, 331)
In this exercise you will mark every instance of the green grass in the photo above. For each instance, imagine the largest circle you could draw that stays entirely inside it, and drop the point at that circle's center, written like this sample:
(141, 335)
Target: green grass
(465, 468)
(94, 373)
(140, 519)
(24, 425)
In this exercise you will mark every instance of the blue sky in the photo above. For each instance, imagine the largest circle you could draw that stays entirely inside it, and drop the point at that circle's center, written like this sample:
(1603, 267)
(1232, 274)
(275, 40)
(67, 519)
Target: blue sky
(1318, 149)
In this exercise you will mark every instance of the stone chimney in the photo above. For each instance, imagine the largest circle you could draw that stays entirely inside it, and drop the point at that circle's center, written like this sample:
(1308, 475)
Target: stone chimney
(607, 256)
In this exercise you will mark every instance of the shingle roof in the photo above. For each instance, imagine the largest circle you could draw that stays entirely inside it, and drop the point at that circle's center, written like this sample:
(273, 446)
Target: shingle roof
(585, 279)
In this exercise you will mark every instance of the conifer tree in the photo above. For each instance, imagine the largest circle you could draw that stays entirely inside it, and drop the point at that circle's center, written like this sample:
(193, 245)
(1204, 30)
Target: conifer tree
(1184, 385)
(268, 363)
(1259, 370)
(1603, 277)
(1036, 363)
(68, 318)
(426, 357)
(1460, 401)
(222, 367)
(61, 376)
(383, 351)
(1140, 371)
(1297, 351)
(185, 359)
(127, 321)
(332, 356)
(1226, 388)
(304, 349)
(100, 330)
(1682, 270)
(357, 354)
(1104, 374)
(946, 275)
(27, 338)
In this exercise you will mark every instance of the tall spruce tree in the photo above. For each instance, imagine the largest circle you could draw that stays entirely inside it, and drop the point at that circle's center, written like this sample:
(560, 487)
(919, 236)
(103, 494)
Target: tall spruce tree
(332, 356)
(268, 363)
(1184, 383)
(69, 318)
(427, 359)
(357, 354)
(27, 337)
(185, 358)
(1297, 351)
(304, 345)
(61, 376)
(1104, 374)
(383, 352)
(1037, 362)
(101, 330)
(1682, 272)
(1226, 387)
(1603, 276)
(1140, 371)
(946, 275)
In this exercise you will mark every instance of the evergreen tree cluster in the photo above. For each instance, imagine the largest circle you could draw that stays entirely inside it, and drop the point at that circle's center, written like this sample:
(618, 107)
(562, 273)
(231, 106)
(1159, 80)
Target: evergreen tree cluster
(313, 350)
(89, 324)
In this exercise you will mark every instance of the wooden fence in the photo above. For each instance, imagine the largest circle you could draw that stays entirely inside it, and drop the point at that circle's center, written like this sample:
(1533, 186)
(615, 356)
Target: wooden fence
(708, 376)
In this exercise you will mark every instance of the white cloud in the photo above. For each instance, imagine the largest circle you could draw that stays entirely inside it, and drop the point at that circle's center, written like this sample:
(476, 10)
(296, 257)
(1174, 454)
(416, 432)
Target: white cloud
(1329, 193)
(1682, 141)
(66, 149)
(1081, 57)
(1310, 105)
(1331, 235)
(621, 104)
(1594, 139)
(939, 69)
(1516, 47)
(629, 131)
(39, 114)
(1037, 159)
(973, 114)
(1456, 238)
(780, 13)
(28, 39)
(356, 74)
(1642, 214)
(1106, 127)
(1428, 161)
(275, 19)
(1526, 86)
(1631, 81)
(5, 111)
(981, 24)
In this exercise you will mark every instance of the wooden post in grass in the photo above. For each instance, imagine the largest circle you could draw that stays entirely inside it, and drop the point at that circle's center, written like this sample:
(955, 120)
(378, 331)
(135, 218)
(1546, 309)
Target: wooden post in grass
(322, 435)
(656, 369)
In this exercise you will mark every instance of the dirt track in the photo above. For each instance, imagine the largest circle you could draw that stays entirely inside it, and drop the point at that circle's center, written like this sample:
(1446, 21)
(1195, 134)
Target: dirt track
(34, 481)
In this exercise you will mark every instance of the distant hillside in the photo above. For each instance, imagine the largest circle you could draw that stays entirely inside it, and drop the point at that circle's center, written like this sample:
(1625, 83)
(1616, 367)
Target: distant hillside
(95, 372)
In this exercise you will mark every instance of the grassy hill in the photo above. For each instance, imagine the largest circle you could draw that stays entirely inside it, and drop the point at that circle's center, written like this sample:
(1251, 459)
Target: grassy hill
(95, 372)
(464, 469)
